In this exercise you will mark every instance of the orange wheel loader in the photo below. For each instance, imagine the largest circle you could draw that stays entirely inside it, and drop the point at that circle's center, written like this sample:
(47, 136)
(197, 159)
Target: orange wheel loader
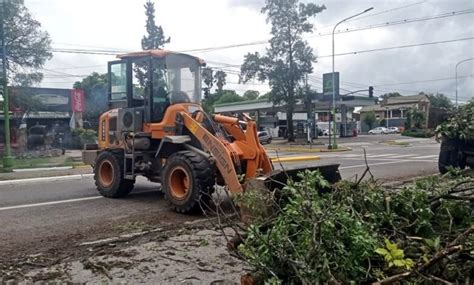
(156, 128)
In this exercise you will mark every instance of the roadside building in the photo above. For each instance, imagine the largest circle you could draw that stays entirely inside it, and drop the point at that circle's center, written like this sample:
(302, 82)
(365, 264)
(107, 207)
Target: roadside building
(393, 111)
(52, 113)
(273, 117)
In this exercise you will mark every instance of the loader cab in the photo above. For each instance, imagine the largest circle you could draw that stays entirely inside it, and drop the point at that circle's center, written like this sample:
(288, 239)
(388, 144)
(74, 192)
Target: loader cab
(153, 80)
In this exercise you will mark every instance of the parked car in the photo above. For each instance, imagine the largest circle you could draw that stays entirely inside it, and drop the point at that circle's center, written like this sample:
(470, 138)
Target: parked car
(393, 130)
(323, 132)
(379, 130)
(264, 137)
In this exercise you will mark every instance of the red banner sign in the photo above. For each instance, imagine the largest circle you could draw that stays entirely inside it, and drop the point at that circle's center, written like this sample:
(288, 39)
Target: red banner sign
(77, 100)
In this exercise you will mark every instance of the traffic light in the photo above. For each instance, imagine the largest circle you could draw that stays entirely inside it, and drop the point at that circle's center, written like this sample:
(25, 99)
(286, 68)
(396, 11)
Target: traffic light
(371, 91)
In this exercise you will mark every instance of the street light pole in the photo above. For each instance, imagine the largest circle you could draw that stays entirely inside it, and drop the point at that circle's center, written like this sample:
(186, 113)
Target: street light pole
(7, 155)
(456, 75)
(334, 145)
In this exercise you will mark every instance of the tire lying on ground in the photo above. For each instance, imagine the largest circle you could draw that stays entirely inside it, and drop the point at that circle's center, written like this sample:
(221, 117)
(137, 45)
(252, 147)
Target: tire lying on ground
(109, 177)
(188, 180)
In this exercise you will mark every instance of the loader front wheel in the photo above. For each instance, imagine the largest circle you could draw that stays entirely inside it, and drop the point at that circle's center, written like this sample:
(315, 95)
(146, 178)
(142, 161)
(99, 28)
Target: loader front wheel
(187, 181)
(108, 176)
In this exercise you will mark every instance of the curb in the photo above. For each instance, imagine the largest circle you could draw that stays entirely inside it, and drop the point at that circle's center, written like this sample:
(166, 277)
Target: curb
(300, 149)
(42, 169)
(81, 166)
(49, 179)
(294, 159)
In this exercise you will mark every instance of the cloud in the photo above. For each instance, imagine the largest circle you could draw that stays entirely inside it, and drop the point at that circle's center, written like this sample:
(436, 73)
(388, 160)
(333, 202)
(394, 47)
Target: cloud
(119, 24)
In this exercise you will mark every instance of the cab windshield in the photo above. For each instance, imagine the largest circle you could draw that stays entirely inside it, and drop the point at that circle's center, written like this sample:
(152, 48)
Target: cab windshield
(183, 79)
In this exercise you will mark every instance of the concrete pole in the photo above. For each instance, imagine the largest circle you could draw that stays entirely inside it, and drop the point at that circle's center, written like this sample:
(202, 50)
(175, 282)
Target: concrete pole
(334, 145)
(456, 75)
(7, 155)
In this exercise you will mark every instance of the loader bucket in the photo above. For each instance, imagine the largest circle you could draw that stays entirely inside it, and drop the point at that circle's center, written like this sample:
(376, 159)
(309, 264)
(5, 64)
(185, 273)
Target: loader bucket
(278, 178)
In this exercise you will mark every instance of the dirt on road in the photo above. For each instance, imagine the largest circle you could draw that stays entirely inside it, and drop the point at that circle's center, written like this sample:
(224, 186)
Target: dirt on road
(185, 252)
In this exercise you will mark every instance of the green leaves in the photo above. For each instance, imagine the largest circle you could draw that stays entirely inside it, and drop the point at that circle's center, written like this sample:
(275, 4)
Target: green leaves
(155, 37)
(288, 58)
(358, 233)
(394, 256)
(460, 125)
(28, 46)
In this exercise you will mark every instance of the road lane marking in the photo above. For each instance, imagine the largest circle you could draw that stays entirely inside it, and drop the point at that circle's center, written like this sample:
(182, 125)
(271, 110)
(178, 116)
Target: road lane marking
(349, 155)
(380, 155)
(49, 203)
(45, 179)
(425, 156)
(380, 163)
(404, 155)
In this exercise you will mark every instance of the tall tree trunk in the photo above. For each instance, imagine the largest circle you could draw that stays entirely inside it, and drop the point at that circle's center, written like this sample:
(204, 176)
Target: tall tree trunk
(289, 115)
(289, 121)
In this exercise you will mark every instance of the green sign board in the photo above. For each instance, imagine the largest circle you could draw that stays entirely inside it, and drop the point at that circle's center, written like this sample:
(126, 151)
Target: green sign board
(327, 83)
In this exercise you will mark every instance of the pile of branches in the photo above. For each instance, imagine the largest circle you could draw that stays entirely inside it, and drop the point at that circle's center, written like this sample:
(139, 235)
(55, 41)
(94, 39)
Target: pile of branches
(460, 125)
(358, 231)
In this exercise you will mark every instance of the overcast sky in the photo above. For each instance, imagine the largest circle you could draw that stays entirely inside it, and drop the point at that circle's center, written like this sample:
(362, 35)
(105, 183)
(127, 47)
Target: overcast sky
(119, 25)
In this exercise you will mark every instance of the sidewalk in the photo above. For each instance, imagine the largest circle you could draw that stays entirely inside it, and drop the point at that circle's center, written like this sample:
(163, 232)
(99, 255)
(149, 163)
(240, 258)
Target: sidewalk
(85, 169)
(50, 170)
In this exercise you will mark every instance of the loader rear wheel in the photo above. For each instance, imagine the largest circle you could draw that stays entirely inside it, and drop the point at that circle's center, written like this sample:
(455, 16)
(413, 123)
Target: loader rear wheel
(108, 176)
(187, 180)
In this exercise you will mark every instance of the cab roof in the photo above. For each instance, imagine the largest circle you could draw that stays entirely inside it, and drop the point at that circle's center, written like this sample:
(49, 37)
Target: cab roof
(157, 53)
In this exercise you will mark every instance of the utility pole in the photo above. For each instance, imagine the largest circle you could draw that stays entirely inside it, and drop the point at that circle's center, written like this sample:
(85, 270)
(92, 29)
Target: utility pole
(7, 155)
(334, 145)
(456, 75)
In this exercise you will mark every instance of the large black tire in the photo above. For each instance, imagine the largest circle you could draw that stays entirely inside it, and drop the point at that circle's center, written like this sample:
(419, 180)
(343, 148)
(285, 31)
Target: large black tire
(108, 175)
(448, 156)
(188, 180)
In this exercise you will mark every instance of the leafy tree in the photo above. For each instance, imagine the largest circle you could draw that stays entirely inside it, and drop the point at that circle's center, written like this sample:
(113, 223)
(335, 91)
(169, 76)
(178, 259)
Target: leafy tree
(155, 38)
(228, 96)
(265, 96)
(415, 117)
(95, 90)
(289, 58)
(389, 95)
(251, 95)
(23, 99)
(418, 118)
(369, 119)
(27, 45)
(220, 79)
(440, 100)
(208, 80)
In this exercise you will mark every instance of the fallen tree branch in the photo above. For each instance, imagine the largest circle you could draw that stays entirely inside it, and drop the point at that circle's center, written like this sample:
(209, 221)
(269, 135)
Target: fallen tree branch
(453, 247)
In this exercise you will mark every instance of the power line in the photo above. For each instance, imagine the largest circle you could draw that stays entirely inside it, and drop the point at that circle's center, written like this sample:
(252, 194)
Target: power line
(78, 67)
(368, 27)
(397, 47)
(104, 51)
(422, 81)
(397, 22)
(379, 13)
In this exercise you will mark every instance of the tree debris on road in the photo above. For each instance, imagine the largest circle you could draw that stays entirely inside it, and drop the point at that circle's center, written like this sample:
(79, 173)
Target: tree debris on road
(361, 231)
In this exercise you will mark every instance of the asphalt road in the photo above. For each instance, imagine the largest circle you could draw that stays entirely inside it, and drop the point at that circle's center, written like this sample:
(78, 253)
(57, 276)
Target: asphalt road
(53, 215)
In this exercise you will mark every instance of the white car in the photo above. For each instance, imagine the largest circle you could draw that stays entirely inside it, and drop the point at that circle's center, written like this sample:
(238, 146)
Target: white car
(393, 130)
(379, 130)
(264, 137)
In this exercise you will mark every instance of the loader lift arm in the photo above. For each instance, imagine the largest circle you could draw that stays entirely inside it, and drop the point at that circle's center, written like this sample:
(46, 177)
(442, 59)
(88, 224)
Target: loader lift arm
(216, 147)
(245, 147)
